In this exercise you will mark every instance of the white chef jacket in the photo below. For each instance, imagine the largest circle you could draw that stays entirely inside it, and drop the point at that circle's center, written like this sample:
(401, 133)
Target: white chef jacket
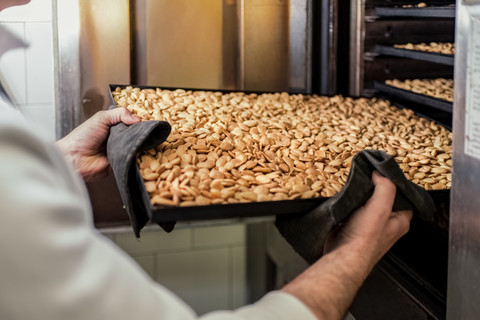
(55, 265)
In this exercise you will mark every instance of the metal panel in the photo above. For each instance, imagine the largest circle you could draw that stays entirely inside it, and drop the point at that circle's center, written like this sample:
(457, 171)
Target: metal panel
(327, 58)
(464, 248)
(104, 50)
(92, 49)
(357, 32)
(300, 44)
(66, 29)
(184, 43)
(265, 52)
(260, 45)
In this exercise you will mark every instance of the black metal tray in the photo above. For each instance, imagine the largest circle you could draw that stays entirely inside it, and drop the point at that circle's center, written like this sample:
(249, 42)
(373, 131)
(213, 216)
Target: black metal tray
(160, 214)
(416, 12)
(446, 59)
(397, 93)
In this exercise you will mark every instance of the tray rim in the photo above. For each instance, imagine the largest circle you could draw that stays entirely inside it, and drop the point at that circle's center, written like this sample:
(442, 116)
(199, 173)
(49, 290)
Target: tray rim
(446, 59)
(416, 12)
(432, 102)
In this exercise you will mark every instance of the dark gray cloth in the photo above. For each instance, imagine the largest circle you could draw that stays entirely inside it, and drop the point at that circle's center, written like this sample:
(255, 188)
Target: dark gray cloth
(123, 144)
(307, 233)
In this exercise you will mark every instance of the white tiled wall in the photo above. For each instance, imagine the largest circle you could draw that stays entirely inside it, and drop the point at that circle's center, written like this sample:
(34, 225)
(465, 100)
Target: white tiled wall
(27, 73)
(204, 266)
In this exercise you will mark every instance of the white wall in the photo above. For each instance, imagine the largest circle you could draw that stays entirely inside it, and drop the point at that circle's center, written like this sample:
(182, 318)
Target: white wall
(204, 266)
(27, 73)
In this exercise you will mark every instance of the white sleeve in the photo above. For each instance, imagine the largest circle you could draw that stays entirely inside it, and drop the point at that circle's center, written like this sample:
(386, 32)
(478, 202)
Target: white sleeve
(54, 264)
(276, 305)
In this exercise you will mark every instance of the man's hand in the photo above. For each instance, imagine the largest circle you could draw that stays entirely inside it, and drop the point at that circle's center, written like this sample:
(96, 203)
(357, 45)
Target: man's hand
(85, 146)
(373, 226)
(330, 284)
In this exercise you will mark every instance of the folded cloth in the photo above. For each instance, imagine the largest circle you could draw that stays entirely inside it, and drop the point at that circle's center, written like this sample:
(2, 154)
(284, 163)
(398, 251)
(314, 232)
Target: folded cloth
(123, 144)
(307, 233)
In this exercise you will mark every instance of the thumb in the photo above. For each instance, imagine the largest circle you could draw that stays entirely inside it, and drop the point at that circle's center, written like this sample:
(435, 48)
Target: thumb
(117, 115)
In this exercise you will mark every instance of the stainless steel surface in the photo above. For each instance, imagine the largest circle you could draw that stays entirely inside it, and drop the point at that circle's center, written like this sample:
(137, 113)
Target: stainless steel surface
(184, 43)
(357, 30)
(230, 38)
(300, 35)
(138, 42)
(464, 249)
(66, 30)
(275, 45)
(328, 42)
(104, 50)
(260, 45)
(92, 49)
(266, 48)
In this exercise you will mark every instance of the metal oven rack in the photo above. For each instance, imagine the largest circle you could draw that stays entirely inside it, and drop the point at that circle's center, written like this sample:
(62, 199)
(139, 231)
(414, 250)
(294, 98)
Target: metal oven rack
(435, 108)
(414, 273)
(377, 25)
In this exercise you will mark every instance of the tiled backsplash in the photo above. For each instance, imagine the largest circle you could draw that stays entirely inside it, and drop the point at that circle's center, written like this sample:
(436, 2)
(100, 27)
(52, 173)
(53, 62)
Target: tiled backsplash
(27, 73)
(13, 68)
(205, 266)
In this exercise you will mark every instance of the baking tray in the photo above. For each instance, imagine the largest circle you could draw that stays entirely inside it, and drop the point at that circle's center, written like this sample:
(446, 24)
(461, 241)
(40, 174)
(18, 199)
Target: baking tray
(447, 59)
(397, 93)
(415, 12)
(234, 210)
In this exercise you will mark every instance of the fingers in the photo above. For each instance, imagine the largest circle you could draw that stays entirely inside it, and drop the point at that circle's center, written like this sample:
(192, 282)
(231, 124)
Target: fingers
(403, 218)
(385, 188)
(384, 193)
(117, 115)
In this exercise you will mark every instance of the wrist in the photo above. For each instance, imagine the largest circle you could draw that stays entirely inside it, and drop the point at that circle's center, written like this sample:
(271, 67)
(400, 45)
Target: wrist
(366, 252)
(68, 152)
(330, 284)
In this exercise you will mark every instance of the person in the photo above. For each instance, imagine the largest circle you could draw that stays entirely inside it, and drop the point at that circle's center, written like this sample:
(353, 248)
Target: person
(56, 265)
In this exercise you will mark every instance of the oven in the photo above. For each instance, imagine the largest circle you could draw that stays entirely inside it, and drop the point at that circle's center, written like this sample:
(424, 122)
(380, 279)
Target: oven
(299, 46)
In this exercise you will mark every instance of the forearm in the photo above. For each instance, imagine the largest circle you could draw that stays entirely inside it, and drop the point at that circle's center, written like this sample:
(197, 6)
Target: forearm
(329, 286)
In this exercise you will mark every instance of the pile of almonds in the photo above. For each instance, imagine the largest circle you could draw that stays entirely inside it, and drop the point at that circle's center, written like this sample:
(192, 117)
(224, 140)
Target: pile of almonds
(435, 47)
(439, 88)
(239, 147)
(419, 5)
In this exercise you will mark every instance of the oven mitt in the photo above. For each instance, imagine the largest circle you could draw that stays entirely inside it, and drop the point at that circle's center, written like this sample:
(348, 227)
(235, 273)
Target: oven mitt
(123, 144)
(307, 233)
